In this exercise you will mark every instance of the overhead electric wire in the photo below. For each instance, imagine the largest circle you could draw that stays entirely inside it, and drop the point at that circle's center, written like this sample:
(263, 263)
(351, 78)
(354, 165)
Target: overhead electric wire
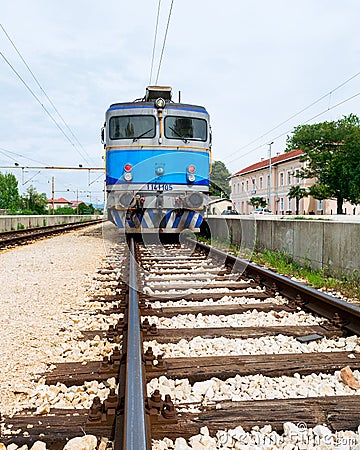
(155, 37)
(8, 156)
(163, 47)
(44, 107)
(43, 91)
(3, 150)
(294, 115)
(288, 131)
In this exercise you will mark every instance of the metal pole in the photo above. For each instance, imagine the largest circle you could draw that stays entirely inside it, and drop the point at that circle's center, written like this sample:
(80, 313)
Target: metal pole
(134, 418)
(269, 178)
(52, 193)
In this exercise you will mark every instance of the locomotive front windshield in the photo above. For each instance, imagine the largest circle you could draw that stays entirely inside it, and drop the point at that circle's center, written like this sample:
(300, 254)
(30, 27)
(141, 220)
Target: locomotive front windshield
(186, 128)
(132, 127)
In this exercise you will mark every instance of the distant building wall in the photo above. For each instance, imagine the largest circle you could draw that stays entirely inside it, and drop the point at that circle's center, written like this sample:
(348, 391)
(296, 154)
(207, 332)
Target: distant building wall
(333, 246)
(253, 181)
(216, 207)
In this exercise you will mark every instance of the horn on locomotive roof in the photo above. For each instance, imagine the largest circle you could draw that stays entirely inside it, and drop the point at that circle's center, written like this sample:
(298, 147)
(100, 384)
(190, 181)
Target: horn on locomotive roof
(154, 92)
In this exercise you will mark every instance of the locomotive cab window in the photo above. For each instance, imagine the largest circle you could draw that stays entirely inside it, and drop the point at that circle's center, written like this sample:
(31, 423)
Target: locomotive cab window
(132, 127)
(186, 128)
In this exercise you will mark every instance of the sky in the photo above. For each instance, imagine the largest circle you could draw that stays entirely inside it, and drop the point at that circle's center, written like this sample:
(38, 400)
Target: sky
(256, 65)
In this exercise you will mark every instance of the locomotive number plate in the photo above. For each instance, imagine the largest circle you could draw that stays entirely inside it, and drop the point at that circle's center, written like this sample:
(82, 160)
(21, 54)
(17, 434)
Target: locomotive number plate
(159, 187)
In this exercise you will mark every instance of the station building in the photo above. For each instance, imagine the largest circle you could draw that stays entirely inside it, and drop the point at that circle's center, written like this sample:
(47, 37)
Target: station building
(272, 180)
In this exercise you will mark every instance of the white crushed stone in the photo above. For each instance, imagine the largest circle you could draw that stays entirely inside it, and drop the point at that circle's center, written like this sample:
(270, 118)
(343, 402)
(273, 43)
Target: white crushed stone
(226, 300)
(246, 319)
(294, 437)
(80, 351)
(252, 387)
(43, 287)
(87, 322)
(185, 292)
(268, 345)
(43, 396)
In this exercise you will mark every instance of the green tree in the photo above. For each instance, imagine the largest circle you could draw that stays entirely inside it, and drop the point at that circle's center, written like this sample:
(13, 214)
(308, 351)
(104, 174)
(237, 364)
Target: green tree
(257, 202)
(33, 202)
(84, 209)
(9, 193)
(332, 153)
(297, 193)
(219, 180)
(65, 211)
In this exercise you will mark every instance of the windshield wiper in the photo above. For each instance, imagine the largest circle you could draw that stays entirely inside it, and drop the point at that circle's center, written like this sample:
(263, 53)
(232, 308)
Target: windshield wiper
(142, 135)
(179, 135)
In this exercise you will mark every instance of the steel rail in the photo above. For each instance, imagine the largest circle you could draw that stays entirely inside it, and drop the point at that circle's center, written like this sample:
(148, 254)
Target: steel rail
(312, 299)
(13, 237)
(135, 432)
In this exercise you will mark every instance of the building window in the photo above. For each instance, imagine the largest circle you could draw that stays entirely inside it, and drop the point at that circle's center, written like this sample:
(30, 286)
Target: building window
(247, 185)
(297, 173)
(260, 182)
(289, 178)
(281, 204)
(242, 186)
(319, 205)
(289, 204)
(281, 182)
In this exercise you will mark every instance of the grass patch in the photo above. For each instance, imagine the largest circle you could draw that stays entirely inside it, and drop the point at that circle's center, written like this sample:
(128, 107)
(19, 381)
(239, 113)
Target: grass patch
(304, 218)
(284, 264)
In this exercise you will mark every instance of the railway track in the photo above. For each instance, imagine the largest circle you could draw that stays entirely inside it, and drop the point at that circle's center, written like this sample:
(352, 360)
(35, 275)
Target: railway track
(208, 351)
(19, 237)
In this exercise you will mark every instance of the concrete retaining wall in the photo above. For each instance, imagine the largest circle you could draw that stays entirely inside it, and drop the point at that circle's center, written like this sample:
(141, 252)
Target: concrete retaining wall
(13, 223)
(334, 246)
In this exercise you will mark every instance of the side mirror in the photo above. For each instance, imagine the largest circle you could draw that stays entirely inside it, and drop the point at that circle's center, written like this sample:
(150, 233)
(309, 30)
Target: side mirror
(103, 135)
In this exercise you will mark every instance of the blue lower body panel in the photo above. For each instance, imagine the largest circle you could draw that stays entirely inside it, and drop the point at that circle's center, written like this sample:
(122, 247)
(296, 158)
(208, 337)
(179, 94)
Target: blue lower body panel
(146, 163)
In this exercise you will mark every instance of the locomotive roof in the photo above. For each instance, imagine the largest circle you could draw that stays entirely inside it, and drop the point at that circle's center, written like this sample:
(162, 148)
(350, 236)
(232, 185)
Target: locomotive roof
(169, 105)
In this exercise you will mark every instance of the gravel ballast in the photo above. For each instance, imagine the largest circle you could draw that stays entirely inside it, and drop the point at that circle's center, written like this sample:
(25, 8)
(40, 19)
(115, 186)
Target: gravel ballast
(43, 285)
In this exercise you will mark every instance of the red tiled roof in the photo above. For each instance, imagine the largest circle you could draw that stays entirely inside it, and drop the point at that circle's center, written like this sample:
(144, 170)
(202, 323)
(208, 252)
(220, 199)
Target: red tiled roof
(58, 200)
(274, 160)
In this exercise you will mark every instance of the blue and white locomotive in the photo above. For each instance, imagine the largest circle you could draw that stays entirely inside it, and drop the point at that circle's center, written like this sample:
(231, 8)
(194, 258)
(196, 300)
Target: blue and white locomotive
(158, 156)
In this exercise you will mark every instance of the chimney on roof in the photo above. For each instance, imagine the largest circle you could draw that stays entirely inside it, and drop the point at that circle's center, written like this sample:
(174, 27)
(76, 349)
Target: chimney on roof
(277, 153)
(262, 159)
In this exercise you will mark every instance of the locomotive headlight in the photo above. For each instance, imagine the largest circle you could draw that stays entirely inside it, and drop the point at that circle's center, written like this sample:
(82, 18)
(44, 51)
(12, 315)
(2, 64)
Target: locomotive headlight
(160, 103)
(191, 177)
(128, 176)
(195, 200)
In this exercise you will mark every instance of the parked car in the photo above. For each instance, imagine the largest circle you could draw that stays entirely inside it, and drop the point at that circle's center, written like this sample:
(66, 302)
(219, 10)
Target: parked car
(228, 212)
(261, 211)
